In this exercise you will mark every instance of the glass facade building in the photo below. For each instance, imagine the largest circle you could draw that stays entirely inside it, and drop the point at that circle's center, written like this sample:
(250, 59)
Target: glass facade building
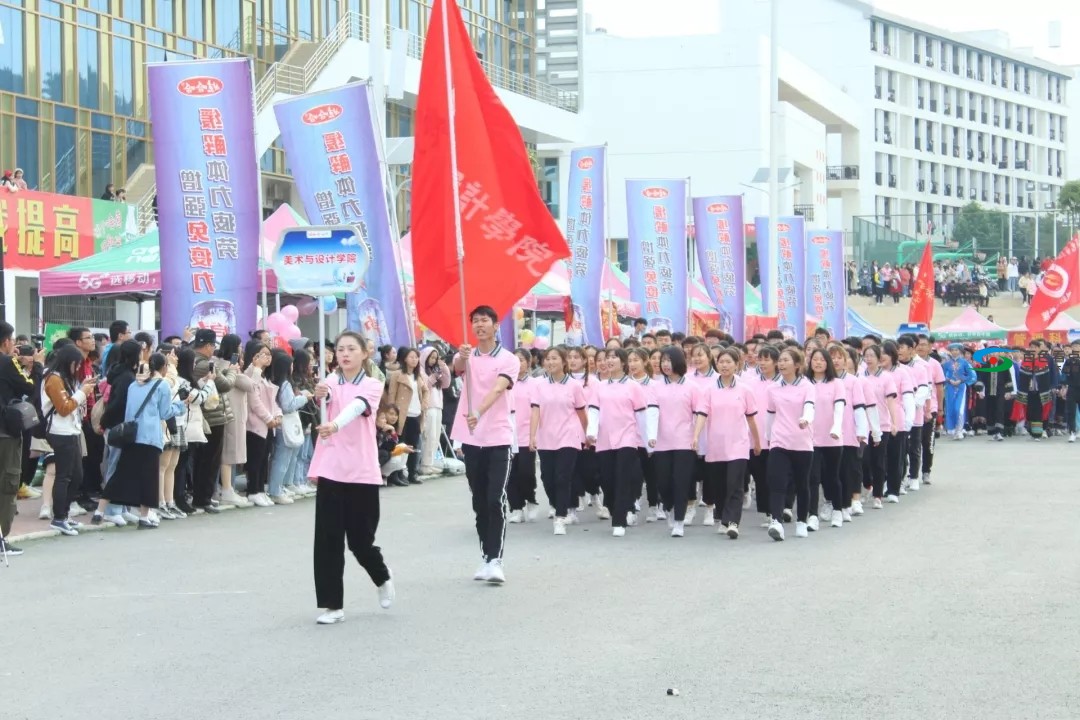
(73, 91)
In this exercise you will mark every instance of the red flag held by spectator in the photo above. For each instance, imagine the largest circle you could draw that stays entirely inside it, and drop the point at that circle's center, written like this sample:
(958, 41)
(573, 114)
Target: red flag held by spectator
(922, 292)
(508, 238)
(1058, 290)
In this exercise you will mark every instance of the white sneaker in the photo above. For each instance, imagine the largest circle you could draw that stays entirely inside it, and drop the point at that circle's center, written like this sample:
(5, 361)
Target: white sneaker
(581, 504)
(877, 504)
(482, 572)
(721, 528)
(826, 512)
(856, 508)
(572, 518)
(551, 513)
(130, 517)
(691, 511)
(602, 513)
(903, 489)
(286, 490)
(926, 478)
(733, 531)
(661, 514)
(631, 519)
(597, 503)
(231, 497)
(800, 530)
(618, 532)
(387, 593)
(845, 515)
(651, 517)
(864, 496)
(776, 530)
(282, 499)
(117, 520)
(959, 435)
(677, 529)
(496, 575)
(261, 500)
(913, 486)
(708, 520)
(892, 499)
(838, 519)
(531, 511)
(1072, 437)
(164, 513)
(45, 513)
(768, 522)
(76, 510)
(560, 526)
(747, 501)
(515, 517)
(331, 617)
(812, 523)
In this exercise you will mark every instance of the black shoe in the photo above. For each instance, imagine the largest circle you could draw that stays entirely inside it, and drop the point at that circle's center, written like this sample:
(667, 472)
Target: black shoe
(87, 504)
(416, 480)
(9, 549)
(208, 509)
(145, 524)
(397, 480)
(185, 507)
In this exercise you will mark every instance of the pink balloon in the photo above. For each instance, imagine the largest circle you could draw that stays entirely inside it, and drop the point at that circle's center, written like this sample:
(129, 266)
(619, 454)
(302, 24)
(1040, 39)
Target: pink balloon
(541, 343)
(291, 313)
(307, 306)
(276, 323)
(291, 332)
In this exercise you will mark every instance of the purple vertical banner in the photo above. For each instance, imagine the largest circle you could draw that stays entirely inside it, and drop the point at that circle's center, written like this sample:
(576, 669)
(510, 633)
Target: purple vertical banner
(208, 206)
(826, 294)
(721, 248)
(789, 305)
(585, 234)
(508, 331)
(336, 162)
(656, 228)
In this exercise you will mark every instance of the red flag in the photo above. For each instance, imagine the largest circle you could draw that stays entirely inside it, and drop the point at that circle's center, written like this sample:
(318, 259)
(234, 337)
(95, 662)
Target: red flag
(1058, 290)
(509, 239)
(921, 309)
(568, 311)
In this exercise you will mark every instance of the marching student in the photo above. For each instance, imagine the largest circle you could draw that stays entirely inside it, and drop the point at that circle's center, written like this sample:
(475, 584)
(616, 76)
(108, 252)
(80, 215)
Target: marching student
(936, 405)
(620, 404)
(557, 431)
(791, 440)
(586, 469)
(829, 394)
(897, 450)
(759, 382)
(959, 375)
(704, 374)
(881, 387)
(485, 427)
(922, 377)
(346, 463)
(860, 424)
(674, 455)
(521, 490)
(641, 372)
(728, 409)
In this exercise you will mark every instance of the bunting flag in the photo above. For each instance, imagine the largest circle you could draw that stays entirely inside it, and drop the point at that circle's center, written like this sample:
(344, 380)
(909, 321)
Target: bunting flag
(921, 309)
(585, 232)
(478, 221)
(721, 247)
(826, 289)
(656, 227)
(1058, 290)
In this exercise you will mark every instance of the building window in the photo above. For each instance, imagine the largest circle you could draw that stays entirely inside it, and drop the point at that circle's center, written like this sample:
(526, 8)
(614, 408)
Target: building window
(163, 15)
(52, 60)
(11, 52)
(101, 161)
(395, 13)
(123, 83)
(89, 79)
(194, 21)
(133, 10)
(27, 144)
(227, 23)
(65, 174)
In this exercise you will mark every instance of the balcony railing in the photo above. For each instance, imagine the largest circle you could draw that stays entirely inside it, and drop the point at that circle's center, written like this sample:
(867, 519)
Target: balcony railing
(842, 172)
(807, 211)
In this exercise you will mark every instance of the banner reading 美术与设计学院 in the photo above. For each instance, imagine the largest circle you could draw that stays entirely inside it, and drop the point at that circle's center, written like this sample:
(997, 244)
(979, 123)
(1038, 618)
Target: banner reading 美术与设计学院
(585, 235)
(207, 174)
(826, 294)
(721, 247)
(656, 230)
(334, 155)
(789, 304)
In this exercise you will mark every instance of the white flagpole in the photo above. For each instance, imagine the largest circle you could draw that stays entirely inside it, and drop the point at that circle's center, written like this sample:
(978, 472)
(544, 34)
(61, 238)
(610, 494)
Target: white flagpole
(459, 239)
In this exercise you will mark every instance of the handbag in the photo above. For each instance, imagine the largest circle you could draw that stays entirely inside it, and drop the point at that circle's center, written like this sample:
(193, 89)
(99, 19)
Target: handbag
(20, 416)
(292, 429)
(126, 432)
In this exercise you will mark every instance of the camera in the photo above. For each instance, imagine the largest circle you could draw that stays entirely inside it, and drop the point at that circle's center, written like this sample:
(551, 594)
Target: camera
(183, 393)
(38, 340)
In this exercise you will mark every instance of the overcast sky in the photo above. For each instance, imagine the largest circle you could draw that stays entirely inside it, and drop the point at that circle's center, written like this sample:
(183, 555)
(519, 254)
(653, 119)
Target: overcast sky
(1027, 21)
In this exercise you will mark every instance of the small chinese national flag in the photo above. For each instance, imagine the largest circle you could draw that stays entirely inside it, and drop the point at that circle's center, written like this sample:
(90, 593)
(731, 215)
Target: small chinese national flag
(922, 292)
(509, 238)
(1058, 290)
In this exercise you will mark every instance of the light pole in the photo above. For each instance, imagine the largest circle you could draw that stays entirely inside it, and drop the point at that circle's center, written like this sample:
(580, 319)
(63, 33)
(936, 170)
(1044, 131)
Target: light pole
(768, 295)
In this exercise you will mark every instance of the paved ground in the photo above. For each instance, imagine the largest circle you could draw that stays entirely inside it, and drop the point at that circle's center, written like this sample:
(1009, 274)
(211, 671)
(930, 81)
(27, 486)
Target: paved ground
(958, 603)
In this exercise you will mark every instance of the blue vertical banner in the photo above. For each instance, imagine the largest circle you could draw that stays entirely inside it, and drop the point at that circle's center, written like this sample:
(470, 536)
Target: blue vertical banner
(586, 207)
(508, 331)
(789, 305)
(209, 212)
(721, 247)
(336, 161)
(656, 229)
(826, 294)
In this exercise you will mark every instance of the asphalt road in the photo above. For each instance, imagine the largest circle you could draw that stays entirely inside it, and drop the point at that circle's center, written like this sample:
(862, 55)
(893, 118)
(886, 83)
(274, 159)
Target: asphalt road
(961, 602)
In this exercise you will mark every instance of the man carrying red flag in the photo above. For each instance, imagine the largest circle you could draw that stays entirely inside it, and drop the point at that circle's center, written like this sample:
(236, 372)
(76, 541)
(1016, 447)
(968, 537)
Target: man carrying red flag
(1058, 290)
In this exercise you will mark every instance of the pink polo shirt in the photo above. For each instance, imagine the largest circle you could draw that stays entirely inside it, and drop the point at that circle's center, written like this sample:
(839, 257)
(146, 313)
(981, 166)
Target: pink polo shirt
(920, 376)
(905, 385)
(559, 403)
(494, 428)
(648, 386)
(729, 409)
(856, 399)
(826, 395)
(759, 386)
(678, 401)
(351, 455)
(937, 379)
(786, 404)
(523, 392)
(882, 386)
(619, 402)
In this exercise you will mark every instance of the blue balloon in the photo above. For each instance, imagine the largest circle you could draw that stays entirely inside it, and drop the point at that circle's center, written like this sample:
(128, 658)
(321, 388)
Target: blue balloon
(329, 304)
(543, 330)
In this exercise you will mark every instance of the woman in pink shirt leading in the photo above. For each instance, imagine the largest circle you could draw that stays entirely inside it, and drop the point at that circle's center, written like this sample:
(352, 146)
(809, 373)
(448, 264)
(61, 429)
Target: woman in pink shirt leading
(346, 463)
(678, 399)
(830, 401)
(620, 405)
(557, 432)
(586, 470)
(641, 372)
(858, 428)
(881, 385)
(728, 409)
(521, 489)
(791, 440)
(759, 381)
(703, 376)
(897, 451)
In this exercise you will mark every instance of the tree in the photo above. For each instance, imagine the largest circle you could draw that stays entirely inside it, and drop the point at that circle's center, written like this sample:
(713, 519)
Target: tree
(1069, 201)
(986, 229)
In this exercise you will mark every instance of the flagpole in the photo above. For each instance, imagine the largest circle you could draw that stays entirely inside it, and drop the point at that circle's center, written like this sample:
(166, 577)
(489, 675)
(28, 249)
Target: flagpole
(459, 239)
